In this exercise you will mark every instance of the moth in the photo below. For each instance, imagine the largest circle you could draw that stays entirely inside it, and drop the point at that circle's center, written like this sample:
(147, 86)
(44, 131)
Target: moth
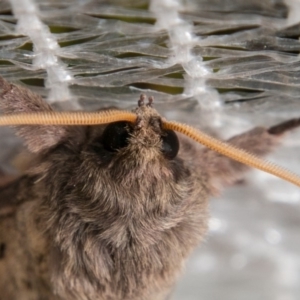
(112, 206)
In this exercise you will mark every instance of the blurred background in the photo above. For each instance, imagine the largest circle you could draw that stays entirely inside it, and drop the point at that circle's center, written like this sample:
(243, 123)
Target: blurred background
(224, 66)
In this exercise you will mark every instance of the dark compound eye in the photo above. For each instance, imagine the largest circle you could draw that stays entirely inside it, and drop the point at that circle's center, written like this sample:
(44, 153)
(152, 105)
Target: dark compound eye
(115, 136)
(170, 144)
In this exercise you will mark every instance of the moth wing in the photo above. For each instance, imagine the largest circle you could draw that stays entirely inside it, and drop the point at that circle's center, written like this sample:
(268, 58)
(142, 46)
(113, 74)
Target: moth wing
(17, 99)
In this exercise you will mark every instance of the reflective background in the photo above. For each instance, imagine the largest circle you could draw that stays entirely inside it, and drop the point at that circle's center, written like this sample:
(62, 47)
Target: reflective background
(224, 66)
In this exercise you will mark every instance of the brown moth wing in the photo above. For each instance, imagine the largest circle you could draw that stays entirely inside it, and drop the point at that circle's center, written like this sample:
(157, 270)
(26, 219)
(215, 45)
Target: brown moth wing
(223, 171)
(16, 99)
(24, 263)
(24, 248)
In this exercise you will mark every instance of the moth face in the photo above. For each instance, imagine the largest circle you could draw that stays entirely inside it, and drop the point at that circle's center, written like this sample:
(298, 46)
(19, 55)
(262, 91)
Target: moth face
(134, 145)
(120, 160)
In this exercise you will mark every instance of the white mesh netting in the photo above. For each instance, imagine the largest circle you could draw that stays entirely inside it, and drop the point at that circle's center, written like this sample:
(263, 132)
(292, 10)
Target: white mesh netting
(220, 65)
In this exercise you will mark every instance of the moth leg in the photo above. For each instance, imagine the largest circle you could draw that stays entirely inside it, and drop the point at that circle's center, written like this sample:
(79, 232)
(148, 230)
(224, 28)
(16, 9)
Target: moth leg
(223, 171)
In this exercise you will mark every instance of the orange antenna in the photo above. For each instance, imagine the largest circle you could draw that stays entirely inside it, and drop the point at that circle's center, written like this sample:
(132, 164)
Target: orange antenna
(233, 152)
(68, 118)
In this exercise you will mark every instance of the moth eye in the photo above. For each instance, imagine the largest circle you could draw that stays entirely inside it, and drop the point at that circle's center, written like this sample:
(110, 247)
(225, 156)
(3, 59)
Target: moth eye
(170, 144)
(115, 136)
